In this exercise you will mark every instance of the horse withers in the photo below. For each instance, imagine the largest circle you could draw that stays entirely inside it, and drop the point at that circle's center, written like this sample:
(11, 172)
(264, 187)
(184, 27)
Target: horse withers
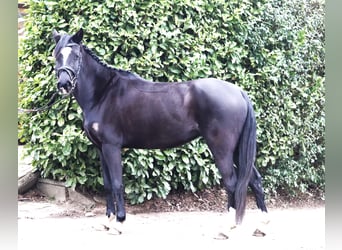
(121, 109)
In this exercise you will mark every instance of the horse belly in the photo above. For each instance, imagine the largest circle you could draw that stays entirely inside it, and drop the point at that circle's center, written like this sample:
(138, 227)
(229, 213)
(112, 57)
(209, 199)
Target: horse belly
(161, 137)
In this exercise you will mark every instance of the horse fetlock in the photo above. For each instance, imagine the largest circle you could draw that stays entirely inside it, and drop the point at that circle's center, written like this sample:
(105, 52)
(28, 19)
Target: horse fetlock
(121, 217)
(111, 217)
(110, 212)
(231, 201)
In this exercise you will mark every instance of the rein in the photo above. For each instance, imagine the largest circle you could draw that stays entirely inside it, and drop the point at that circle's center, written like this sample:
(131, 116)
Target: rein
(51, 102)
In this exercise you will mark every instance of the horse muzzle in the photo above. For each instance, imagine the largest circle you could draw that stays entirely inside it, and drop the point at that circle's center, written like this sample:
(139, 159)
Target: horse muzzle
(66, 80)
(64, 87)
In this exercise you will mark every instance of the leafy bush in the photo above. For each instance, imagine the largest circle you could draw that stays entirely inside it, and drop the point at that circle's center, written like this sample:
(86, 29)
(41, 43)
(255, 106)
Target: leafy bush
(273, 49)
(290, 68)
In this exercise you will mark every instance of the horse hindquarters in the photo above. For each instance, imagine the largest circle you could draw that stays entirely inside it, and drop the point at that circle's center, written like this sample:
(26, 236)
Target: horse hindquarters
(226, 121)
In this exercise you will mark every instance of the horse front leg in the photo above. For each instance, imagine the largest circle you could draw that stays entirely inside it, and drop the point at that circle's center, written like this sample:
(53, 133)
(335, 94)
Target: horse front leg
(110, 212)
(112, 157)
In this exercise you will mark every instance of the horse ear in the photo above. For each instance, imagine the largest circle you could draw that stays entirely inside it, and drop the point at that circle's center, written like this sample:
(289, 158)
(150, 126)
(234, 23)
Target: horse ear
(77, 38)
(56, 36)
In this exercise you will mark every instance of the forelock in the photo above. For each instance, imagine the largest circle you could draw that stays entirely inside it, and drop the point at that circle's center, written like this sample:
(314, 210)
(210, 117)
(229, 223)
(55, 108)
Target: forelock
(63, 42)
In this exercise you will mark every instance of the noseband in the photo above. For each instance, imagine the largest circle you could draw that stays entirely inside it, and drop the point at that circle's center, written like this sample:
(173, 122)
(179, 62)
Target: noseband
(70, 71)
(72, 75)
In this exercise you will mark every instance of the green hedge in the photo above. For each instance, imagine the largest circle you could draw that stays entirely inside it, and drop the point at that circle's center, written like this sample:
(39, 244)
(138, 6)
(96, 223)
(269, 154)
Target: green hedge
(273, 49)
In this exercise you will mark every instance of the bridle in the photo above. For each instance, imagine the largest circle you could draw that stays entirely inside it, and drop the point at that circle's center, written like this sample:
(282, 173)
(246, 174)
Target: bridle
(72, 75)
(73, 80)
(70, 71)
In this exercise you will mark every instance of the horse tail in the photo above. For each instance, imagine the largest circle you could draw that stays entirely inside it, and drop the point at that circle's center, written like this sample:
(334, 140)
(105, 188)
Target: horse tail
(247, 152)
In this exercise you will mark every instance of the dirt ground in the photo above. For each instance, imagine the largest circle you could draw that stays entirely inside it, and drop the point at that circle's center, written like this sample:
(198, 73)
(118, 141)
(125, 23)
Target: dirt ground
(196, 221)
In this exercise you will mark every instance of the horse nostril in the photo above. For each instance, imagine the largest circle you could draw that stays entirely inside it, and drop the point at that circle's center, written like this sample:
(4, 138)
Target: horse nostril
(64, 86)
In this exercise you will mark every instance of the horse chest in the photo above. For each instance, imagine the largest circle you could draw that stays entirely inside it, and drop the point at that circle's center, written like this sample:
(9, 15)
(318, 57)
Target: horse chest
(93, 131)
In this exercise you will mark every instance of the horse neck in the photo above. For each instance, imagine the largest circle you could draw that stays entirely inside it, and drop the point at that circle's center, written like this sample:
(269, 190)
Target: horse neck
(93, 79)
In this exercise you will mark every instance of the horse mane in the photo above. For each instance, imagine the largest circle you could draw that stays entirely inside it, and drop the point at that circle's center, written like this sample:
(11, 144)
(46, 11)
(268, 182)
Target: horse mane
(99, 61)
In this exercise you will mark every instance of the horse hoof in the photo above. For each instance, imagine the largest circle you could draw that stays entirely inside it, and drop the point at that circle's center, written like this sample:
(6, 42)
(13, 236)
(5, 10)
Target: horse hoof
(116, 229)
(101, 227)
(221, 236)
(259, 233)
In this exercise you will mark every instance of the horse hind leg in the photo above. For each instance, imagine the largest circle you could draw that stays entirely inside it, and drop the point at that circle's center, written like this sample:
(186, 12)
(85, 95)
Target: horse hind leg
(224, 162)
(255, 183)
(222, 146)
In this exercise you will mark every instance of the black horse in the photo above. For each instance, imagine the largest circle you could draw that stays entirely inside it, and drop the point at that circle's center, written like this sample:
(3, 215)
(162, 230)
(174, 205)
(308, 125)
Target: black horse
(120, 109)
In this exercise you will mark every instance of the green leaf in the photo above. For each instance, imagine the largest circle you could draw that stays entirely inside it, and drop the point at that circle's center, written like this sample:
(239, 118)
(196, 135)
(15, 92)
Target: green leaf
(149, 196)
(185, 159)
(60, 122)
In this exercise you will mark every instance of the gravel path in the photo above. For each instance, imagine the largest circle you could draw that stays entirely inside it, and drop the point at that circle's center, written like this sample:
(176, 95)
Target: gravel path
(45, 225)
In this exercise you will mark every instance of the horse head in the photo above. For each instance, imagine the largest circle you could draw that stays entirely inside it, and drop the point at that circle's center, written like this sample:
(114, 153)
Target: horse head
(68, 57)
